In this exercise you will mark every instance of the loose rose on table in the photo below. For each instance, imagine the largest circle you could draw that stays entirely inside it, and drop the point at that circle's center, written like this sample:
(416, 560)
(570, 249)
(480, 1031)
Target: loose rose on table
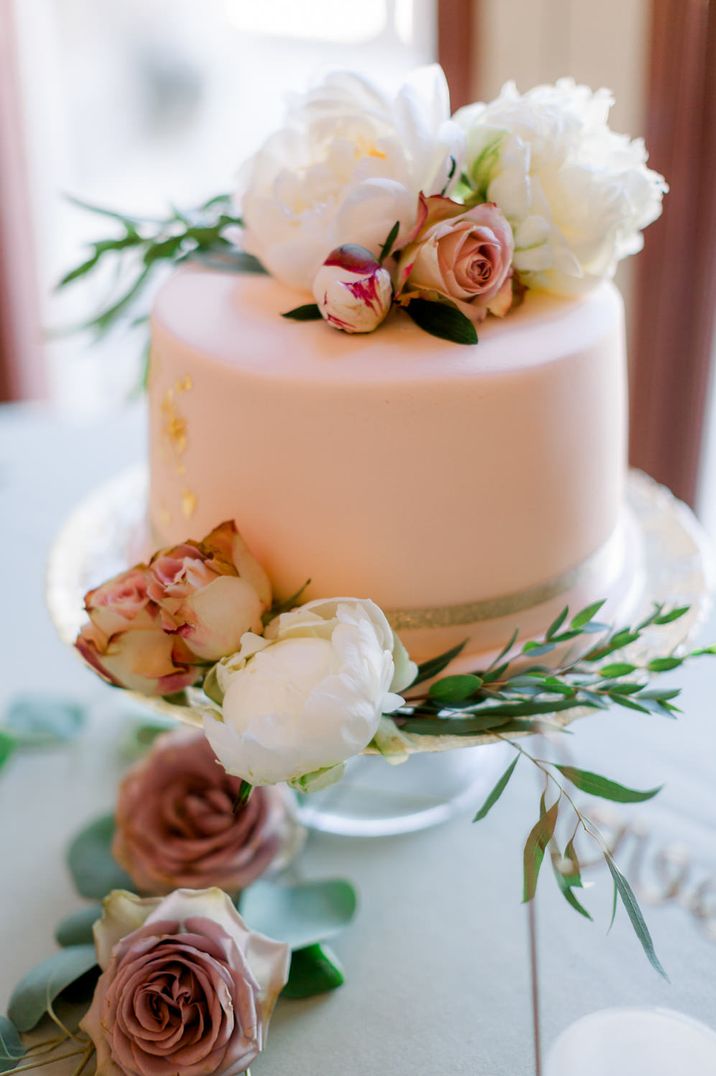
(186, 988)
(177, 827)
(460, 255)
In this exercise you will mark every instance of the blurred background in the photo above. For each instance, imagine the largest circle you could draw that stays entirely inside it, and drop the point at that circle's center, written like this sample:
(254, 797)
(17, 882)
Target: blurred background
(140, 105)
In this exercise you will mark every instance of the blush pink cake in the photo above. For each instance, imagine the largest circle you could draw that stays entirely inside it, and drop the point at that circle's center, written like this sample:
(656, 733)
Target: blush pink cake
(464, 489)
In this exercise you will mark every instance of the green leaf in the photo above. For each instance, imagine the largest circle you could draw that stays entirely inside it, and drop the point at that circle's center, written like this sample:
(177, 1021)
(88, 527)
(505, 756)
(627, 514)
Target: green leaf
(314, 970)
(672, 615)
(557, 623)
(104, 321)
(307, 312)
(505, 650)
(585, 615)
(634, 912)
(212, 688)
(537, 841)
(229, 261)
(536, 649)
(39, 988)
(8, 744)
(454, 726)
(443, 321)
(659, 665)
(455, 688)
(89, 857)
(301, 914)
(628, 703)
(76, 928)
(43, 720)
(567, 882)
(428, 669)
(616, 669)
(283, 605)
(389, 242)
(496, 791)
(11, 1049)
(595, 785)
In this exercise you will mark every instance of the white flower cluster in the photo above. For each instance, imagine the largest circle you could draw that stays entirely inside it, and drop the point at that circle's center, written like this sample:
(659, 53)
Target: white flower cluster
(350, 161)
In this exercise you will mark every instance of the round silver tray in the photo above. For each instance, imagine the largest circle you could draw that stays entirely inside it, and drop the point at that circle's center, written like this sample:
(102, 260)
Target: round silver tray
(107, 533)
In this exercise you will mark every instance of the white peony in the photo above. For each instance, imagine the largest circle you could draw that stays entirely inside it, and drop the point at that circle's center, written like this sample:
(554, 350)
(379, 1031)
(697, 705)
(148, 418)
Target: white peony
(310, 693)
(349, 162)
(576, 193)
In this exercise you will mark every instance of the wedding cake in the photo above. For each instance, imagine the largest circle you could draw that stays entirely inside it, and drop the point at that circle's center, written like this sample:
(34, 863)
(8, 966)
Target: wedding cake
(467, 477)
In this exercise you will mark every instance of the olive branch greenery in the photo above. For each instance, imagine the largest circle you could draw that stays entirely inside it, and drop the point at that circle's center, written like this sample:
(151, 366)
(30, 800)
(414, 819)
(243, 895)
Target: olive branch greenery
(144, 244)
(513, 695)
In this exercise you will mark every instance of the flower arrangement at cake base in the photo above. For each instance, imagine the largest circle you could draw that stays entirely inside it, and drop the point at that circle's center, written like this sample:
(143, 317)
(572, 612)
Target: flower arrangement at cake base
(288, 692)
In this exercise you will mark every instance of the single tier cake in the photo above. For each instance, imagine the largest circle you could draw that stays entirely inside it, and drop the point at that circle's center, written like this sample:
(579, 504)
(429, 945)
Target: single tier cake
(464, 489)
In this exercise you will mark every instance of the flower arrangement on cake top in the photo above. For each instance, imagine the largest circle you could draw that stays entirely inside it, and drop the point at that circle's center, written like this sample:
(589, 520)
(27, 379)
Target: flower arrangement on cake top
(371, 202)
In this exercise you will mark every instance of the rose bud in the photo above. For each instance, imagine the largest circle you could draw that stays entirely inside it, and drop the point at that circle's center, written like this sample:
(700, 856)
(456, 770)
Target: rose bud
(186, 988)
(124, 640)
(353, 290)
(176, 825)
(462, 255)
(210, 592)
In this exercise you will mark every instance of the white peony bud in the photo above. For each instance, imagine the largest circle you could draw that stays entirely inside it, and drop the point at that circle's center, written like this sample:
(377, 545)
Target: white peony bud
(353, 290)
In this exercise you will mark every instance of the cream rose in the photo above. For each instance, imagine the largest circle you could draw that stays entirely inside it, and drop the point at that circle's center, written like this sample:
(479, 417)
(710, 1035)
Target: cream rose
(310, 694)
(463, 255)
(576, 193)
(186, 988)
(348, 163)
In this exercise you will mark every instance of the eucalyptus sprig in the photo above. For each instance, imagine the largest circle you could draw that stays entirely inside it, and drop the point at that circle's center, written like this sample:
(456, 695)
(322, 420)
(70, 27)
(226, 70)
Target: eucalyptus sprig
(514, 690)
(513, 695)
(143, 244)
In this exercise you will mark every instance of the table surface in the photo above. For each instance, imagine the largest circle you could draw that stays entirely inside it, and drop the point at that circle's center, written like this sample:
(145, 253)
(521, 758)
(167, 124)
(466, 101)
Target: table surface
(436, 960)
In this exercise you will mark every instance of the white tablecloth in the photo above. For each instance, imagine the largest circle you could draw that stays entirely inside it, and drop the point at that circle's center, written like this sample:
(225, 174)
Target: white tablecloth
(436, 961)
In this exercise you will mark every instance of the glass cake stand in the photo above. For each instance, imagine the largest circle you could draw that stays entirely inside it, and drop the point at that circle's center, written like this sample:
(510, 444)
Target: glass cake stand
(106, 534)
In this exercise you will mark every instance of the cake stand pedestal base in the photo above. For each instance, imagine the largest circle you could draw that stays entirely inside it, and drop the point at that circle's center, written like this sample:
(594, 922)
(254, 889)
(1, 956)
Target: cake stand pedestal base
(375, 799)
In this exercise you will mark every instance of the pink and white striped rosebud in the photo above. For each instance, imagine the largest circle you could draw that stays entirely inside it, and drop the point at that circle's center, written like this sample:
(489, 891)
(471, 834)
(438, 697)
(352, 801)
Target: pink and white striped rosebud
(353, 290)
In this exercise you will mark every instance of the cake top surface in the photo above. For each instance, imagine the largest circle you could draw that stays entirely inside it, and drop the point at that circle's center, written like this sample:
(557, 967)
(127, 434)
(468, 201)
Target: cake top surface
(232, 319)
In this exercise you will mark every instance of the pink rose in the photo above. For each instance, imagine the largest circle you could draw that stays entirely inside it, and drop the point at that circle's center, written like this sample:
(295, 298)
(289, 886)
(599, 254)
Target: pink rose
(124, 640)
(463, 255)
(176, 825)
(210, 592)
(353, 290)
(186, 989)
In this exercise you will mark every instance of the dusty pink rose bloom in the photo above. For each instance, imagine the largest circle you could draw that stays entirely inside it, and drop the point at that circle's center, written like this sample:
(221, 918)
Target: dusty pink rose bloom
(124, 640)
(210, 592)
(176, 824)
(186, 989)
(463, 255)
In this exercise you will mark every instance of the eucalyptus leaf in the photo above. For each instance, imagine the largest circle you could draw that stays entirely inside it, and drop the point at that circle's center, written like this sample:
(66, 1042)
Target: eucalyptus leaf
(557, 623)
(428, 669)
(301, 914)
(635, 915)
(455, 688)
(595, 785)
(76, 928)
(229, 261)
(566, 887)
(38, 989)
(616, 669)
(307, 312)
(314, 970)
(94, 870)
(443, 321)
(584, 616)
(43, 720)
(8, 744)
(454, 726)
(539, 837)
(497, 791)
(659, 665)
(505, 650)
(672, 615)
(11, 1049)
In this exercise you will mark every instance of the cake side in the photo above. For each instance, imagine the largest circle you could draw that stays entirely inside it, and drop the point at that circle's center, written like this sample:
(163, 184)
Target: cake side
(398, 467)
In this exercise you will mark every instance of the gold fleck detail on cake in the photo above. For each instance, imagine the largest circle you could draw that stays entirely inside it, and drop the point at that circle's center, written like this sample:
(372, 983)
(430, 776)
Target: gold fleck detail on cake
(188, 503)
(174, 424)
(184, 384)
